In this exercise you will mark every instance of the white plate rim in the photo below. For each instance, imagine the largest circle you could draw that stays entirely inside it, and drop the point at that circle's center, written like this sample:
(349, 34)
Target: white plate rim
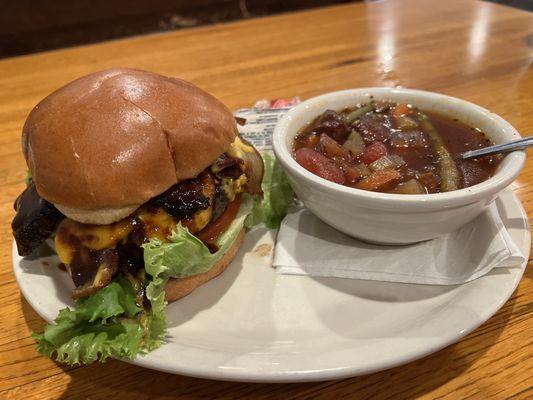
(304, 375)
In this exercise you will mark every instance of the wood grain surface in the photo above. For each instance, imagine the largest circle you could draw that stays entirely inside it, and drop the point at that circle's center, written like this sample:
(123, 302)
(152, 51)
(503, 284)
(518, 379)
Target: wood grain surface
(478, 51)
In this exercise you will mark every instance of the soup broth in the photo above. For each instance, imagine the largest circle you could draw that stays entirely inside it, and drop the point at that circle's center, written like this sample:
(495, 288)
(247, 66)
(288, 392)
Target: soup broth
(393, 148)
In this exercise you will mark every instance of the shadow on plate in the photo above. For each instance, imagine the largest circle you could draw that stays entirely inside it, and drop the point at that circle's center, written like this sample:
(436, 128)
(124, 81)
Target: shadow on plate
(46, 263)
(33, 320)
(208, 294)
(389, 292)
(43, 251)
(510, 223)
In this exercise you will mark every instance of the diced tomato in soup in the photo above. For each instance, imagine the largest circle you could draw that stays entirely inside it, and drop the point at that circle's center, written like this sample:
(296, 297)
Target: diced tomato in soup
(319, 165)
(373, 152)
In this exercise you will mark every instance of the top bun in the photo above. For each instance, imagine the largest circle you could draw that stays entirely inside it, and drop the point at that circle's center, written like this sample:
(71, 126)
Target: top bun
(116, 138)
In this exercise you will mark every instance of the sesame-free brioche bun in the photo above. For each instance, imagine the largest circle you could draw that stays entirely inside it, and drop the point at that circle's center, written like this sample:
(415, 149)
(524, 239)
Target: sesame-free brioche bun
(177, 288)
(108, 142)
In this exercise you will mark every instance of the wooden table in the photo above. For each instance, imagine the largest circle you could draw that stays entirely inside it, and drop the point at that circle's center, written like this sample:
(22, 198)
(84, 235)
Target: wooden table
(477, 51)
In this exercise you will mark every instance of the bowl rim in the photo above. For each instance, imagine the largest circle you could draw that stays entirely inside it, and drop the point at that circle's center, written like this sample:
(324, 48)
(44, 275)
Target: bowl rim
(501, 179)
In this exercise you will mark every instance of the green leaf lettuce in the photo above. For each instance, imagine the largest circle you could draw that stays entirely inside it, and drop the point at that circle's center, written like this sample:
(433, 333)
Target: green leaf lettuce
(99, 327)
(277, 196)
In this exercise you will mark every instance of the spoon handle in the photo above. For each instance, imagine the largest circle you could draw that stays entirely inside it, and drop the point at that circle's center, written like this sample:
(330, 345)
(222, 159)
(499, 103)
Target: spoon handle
(519, 144)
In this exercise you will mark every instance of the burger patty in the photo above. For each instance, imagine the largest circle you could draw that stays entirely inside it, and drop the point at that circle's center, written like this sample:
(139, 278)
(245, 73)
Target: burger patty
(35, 221)
(186, 198)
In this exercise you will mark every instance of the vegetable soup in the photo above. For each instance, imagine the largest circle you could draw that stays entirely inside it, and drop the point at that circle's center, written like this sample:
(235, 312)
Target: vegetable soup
(393, 148)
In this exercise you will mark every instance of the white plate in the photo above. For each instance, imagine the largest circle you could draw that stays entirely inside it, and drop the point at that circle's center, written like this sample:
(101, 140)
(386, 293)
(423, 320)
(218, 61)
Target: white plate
(251, 324)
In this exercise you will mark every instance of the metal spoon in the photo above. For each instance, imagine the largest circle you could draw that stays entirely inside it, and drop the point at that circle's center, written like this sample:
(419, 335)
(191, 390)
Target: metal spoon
(519, 144)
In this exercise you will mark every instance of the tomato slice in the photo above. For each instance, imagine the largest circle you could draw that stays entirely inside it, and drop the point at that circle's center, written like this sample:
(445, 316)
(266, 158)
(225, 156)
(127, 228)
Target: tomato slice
(319, 165)
(216, 227)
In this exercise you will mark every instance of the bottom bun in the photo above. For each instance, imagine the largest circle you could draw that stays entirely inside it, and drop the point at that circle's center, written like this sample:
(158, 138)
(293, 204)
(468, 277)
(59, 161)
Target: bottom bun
(179, 287)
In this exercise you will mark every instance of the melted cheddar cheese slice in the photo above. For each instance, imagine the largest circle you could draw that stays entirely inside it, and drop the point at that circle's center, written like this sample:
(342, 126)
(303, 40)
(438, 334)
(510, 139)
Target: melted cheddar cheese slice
(157, 223)
(71, 234)
(238, 148)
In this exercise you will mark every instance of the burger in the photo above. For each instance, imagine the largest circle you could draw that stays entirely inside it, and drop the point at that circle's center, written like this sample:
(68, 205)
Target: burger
(145, 187)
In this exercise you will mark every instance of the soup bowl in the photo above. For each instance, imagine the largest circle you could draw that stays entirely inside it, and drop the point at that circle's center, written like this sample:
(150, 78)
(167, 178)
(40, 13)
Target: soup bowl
(395, 219)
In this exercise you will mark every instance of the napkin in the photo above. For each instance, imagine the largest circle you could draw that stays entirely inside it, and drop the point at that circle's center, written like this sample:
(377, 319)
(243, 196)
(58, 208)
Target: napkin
(307, 246)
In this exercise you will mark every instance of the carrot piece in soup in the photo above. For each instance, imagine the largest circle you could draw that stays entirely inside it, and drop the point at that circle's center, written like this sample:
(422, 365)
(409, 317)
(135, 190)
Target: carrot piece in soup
(310, 141)
(401, 110)
(351, 175)
(379, 180)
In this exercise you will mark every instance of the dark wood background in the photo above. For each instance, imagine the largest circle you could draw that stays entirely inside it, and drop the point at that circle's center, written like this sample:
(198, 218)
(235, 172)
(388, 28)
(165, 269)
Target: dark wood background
(28, 26)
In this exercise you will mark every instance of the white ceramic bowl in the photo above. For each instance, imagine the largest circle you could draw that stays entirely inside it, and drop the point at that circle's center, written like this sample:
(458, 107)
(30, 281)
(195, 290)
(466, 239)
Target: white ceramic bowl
(394, 218)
